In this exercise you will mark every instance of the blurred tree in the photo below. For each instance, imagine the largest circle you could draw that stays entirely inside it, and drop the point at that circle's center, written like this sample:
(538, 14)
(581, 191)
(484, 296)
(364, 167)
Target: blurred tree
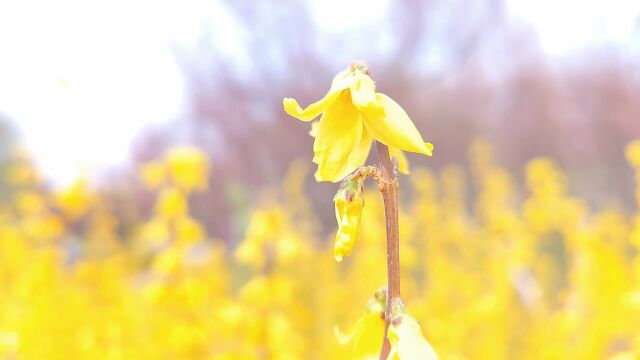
(460, 69)
(7, 144)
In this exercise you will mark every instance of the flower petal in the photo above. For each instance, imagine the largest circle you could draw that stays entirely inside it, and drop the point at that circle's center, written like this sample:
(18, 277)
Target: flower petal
(407, 341)
(340, 82)
(309, 113)
(394, 128)
(366, 334)
(313, 132)
(359, 155)
(339, 133)
(363, 93)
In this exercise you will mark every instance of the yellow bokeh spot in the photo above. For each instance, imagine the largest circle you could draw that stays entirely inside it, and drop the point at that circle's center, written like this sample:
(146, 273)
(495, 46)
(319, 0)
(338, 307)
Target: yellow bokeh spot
(188, 168)
(171, 204)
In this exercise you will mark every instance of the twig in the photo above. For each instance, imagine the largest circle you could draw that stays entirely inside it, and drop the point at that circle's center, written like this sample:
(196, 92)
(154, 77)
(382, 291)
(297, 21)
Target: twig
(388, 185)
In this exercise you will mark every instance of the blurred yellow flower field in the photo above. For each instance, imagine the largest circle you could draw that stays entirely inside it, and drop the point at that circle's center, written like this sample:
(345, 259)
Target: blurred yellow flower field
(491, 269)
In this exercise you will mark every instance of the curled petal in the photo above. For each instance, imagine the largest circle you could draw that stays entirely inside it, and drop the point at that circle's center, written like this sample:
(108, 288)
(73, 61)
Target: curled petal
(312, 111)
(340, 82)
(394, 128)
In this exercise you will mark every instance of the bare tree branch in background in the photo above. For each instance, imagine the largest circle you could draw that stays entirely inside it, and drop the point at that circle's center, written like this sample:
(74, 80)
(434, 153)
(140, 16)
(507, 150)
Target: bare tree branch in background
(461, 69)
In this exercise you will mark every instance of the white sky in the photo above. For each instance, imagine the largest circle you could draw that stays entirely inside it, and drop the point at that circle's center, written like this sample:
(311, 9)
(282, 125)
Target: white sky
(81, 78)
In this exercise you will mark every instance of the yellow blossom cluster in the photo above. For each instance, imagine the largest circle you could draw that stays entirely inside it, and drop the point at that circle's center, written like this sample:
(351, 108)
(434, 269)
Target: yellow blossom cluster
(511, 272)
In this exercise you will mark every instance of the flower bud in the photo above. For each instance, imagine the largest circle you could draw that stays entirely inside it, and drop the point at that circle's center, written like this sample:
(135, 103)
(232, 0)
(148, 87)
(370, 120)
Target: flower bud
(349, 203)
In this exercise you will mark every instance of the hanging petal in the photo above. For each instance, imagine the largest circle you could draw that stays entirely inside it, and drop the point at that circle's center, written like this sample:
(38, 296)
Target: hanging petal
(394, 128)
(339, 133)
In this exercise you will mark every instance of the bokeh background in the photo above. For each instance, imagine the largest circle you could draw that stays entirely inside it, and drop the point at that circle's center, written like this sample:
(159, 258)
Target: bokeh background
(136, 138)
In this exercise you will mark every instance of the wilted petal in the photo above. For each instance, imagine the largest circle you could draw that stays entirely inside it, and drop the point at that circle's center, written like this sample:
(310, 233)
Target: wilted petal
(394, 128)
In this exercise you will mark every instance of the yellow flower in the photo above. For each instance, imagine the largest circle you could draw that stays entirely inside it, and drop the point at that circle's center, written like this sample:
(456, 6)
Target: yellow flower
(153, 174)
(632, 151)
(349, 203)
(75, 200)
(405, 337)
(365, 337)
(9, 343)
(188, 231)
(188, 167)
(30, 202)
(353, 115)
(171, 204)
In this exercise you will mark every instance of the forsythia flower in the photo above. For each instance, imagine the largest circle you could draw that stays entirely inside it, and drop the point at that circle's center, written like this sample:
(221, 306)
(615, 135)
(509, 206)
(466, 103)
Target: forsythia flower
(153, 174)
(353, 115)
(632, 151)
(366, 335)
(75, 200)
(188, 167)
(349, 203)
(171, 204)
(405, 336)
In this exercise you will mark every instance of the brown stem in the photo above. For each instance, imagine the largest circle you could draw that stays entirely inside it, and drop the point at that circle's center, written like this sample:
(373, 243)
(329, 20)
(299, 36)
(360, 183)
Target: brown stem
(388, 184)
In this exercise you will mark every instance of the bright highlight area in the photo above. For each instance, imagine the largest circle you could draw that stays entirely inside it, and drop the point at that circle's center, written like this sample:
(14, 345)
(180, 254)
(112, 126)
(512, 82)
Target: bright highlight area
(106, 70)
